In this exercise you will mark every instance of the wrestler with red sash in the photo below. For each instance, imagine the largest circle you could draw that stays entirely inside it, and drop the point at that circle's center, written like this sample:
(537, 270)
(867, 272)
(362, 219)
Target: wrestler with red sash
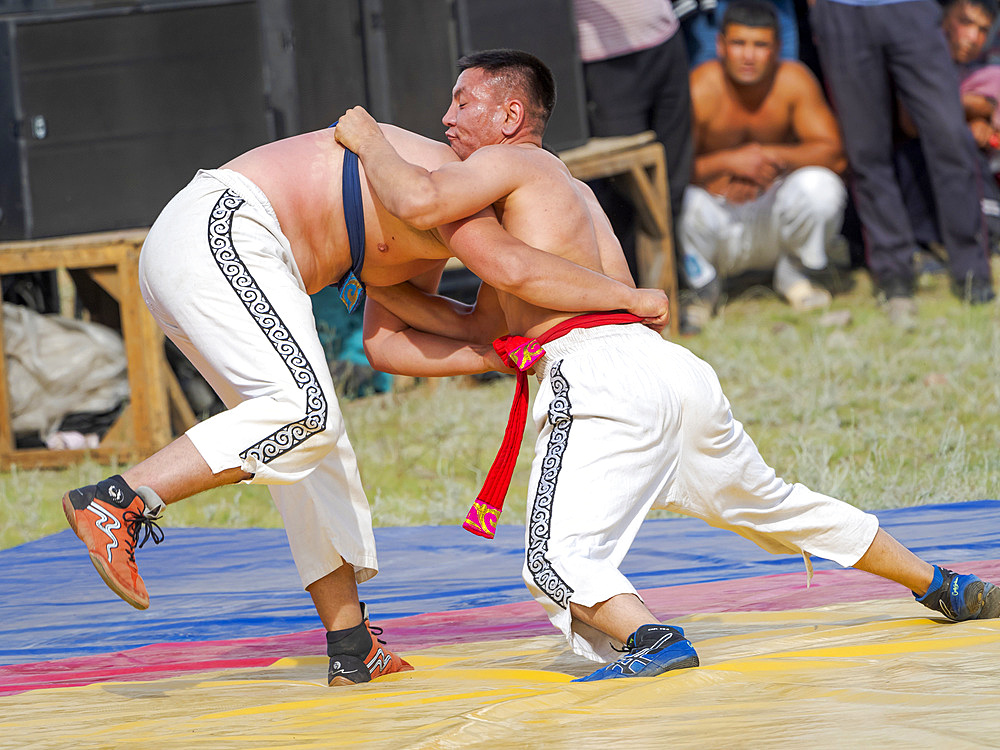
(626, 420)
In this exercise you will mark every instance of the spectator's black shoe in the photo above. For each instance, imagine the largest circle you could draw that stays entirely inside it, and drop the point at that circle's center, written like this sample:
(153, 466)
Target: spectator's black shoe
(976, 290)
(896, 296)
(894, 287)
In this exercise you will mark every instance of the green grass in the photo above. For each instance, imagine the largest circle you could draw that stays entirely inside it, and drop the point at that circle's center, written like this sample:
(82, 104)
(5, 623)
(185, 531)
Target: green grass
(859, 411)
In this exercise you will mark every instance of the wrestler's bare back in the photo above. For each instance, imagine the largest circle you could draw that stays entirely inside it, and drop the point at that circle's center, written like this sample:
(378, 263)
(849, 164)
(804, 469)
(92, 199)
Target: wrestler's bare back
(301, 177)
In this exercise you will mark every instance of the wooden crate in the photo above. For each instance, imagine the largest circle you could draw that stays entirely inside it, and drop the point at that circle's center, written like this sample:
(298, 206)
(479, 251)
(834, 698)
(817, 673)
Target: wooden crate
(110, 260)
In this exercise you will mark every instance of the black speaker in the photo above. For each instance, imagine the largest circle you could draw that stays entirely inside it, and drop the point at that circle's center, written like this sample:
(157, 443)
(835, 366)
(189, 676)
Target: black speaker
(105, 115)
(410, 54)
(314, 62)
(330, 72)
(412, 46)
(545, 29)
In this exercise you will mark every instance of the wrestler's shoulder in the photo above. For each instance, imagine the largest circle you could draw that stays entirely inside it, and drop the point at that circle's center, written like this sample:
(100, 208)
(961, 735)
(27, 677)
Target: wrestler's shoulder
(707, 87)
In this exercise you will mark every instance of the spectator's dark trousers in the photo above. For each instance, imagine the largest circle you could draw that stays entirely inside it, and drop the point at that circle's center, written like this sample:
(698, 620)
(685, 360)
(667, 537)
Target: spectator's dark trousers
(868, 54)
(645, 90)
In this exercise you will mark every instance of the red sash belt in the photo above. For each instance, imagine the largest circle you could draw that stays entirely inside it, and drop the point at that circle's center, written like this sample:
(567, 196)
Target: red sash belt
(522, 352)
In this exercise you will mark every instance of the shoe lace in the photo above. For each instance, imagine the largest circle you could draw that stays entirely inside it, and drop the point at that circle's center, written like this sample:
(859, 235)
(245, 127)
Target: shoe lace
(627, 647)
(136, 521)
(376, 631)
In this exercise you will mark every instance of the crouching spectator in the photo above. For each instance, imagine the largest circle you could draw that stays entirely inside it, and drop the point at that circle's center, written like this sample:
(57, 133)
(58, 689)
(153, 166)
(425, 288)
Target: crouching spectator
(766, 192)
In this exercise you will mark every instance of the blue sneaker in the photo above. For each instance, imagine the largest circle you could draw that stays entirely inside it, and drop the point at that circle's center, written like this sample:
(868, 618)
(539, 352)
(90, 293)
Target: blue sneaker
(961, 597)
(649, 651)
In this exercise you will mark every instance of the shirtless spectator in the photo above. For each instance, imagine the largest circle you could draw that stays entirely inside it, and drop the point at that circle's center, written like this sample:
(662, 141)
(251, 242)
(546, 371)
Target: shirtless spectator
(766, 195)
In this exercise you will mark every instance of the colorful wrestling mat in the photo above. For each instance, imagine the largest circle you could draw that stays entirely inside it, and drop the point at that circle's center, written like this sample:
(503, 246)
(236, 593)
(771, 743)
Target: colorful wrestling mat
(230, 653)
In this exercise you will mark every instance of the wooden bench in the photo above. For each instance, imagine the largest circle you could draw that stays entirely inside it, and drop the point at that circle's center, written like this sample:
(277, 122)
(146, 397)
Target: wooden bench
(642, 162)
(110, 260)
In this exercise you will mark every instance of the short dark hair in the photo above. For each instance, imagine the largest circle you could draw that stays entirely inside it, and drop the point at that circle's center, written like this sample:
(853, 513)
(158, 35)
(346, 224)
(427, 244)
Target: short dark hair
(758, 14)
(990, 7)
(520, 71)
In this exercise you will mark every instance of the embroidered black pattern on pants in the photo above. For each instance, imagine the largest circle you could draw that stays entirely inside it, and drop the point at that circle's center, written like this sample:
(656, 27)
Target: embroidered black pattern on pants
(540, 522)
(220, 242)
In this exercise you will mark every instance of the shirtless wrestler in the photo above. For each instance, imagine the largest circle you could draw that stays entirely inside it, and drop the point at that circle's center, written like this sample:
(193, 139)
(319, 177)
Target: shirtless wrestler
(626, 420)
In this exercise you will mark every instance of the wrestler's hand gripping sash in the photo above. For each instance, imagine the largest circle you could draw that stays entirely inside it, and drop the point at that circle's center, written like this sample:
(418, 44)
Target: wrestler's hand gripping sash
(522, 353)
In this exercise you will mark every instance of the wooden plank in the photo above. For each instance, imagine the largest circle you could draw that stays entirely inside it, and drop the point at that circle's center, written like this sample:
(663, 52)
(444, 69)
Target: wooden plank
(120, 432)
(603, 166)
(650, 205)
(135, 354)
(76, 242)
(111, 259)
(144, 351)
(109, 279)
(40, 458)
(182, 416)
(601, 147)
(6, 431)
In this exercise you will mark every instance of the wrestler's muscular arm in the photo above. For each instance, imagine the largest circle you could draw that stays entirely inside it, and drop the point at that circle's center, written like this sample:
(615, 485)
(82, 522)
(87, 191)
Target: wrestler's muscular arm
(420, 197)
(478, 323)
(484, 247)
(446, 347)
(546, 280)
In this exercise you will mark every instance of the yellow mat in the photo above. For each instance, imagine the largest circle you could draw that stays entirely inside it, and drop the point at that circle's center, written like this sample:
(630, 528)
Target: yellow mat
(842, 676)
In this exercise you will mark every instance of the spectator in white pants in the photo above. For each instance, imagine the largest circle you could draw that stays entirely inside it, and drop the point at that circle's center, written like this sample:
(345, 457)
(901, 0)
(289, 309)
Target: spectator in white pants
(766, 192)
(787, 229)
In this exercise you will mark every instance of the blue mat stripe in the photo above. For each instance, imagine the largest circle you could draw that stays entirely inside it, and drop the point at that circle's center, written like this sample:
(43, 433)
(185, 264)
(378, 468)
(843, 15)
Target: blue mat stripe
(209, 584)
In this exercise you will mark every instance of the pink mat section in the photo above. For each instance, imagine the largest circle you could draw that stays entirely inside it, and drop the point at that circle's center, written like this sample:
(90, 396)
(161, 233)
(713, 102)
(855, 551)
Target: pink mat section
(785, 591)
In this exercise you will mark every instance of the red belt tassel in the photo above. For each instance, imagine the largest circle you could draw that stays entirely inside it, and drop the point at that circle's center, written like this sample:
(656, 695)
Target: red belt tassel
(521, 352)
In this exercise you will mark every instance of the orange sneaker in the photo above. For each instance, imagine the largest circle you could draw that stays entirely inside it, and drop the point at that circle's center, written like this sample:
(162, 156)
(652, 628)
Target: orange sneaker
(350, 669)
(107, 517)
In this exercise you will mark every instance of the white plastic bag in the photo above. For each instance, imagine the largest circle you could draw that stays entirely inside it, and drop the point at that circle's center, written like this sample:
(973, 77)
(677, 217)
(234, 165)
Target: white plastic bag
(58, 366)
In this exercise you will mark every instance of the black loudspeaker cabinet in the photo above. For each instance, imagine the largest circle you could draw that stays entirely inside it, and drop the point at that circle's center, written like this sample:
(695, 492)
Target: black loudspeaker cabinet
(410, 54)
(106, 115)
(107, 107)
(314, 62)
(412, 47)
(546, 29)
(329, 53)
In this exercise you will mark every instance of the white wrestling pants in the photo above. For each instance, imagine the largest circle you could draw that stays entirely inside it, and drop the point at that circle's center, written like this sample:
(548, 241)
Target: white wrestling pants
(628, 422)
(788, 227)
(219, 277)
